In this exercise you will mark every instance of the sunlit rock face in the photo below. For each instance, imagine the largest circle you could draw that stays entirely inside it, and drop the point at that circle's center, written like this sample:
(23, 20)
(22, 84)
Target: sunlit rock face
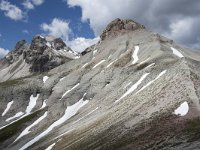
(119, 26)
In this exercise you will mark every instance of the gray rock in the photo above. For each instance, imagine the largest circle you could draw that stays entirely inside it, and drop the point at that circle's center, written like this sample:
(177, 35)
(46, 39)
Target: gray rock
(119, 26)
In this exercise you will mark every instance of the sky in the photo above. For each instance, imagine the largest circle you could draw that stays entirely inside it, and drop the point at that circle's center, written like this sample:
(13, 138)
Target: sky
(80, 22)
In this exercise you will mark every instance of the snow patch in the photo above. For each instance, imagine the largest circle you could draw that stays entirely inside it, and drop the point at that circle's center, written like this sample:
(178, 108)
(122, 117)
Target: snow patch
(94, 52)
(69, 91)
(62, 78)
(51, 146)
(135, 55)
(76, 57)
(145, 60)
(127, 85)
(149, 83)
(84, 65)
(15, 116)
(41, 36)
(150, 65)
(27, 130)
(99, 64)
(48, 44)
(182, 110)
(32, 103)
(69, 112)
(176, 52)
(45, 78)
(44, 104)
(111, 63)
(133, 87)
(7, 108)
(63, 134)
(86, 115)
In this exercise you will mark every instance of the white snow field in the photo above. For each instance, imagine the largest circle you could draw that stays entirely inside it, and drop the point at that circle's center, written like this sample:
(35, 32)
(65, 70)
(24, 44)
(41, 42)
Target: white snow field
(176, 52)
(31, 104)
(182, 110)
(45, 78)
(7, 108)
(44, 104)
(135, 55)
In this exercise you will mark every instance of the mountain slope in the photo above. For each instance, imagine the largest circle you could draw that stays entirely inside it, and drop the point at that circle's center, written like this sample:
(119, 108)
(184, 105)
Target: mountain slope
(123, 93)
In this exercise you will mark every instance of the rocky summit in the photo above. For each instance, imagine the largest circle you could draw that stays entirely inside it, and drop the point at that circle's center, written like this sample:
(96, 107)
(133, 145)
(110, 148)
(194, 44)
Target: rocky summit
(134, 89)
(43, 54)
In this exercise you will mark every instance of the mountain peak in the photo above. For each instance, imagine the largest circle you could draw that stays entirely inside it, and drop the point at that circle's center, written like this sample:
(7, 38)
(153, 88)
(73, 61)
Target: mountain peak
(42, 54)
(119, 26)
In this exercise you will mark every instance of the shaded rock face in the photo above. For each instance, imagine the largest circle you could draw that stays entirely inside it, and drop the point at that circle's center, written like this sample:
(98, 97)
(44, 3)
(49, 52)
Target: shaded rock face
(36, 56)
(38, 45)
(119, 26)
(87, 50)
(42, 54)
(20, 47)
(59, 44)
(45, 55)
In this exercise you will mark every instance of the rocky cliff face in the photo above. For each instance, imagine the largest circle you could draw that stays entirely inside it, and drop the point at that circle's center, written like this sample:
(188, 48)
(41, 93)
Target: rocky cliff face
(132, 90)
(118, 27)
(43, 54)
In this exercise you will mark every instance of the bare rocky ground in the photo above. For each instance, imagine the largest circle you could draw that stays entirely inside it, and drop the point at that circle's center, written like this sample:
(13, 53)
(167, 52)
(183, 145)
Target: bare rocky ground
(121, 93)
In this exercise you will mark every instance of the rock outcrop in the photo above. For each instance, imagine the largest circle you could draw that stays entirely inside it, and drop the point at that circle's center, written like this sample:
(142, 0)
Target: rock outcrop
(43, 54)
(119, 26)
(14, 55)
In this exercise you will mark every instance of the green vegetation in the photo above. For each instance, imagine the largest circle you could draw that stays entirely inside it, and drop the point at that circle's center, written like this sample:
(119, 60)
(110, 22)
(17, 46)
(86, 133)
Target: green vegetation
(15, 82)
(11, 83)
(13, 128)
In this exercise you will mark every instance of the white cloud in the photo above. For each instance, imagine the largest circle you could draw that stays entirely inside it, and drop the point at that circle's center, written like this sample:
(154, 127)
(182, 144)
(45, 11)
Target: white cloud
(58, 28)
(11, 11)
(103, 12)
(25, 31)
(37, 2)
(159, 16)
(27, 4)
(80, 44)
(30, 4)
(3, 52)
